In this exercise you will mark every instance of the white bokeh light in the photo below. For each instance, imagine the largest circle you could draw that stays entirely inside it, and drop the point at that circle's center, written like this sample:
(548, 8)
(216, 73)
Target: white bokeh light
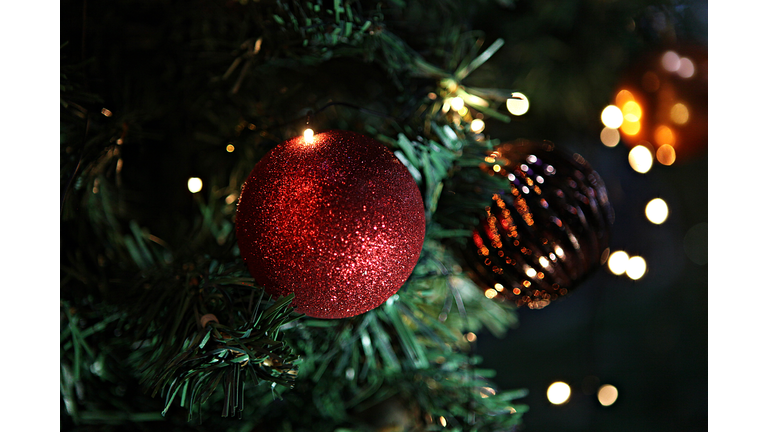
(657, 211)
(558, 393)
(640, 159)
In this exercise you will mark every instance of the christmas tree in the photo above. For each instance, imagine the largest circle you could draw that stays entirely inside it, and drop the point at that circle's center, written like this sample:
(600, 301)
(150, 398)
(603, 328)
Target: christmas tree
(166, 108)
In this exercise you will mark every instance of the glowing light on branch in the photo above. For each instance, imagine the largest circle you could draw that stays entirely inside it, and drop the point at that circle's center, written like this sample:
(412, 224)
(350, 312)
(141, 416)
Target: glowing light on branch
(457, 103)
(309, 136)
(477, 125)
(518, 104)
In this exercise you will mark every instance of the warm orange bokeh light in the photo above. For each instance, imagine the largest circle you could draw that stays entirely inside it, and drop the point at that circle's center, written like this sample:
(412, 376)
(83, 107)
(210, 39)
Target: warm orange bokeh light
(664, 135)
(630, 128)
(623, 97)
(666, 155)
(632, 111)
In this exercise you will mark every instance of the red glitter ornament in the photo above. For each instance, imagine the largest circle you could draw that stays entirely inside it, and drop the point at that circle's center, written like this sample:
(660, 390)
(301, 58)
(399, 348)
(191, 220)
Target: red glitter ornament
(335, 219)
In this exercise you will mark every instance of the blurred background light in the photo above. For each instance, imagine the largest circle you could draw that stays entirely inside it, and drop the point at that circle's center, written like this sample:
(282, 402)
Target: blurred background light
(679, 113)
(624, 96)
(666, 155)
(686, 68)
(632, 111)
(664, 135)
(518, 104)
(457, 103)
(640, 159)
(477, 125)
(670, 61)
(657, 211)
(631, 128)
(558, 393)
(617, 262)
(607, 395)
(612, 116)
(610, 137)
(194, 184)
(636, 267)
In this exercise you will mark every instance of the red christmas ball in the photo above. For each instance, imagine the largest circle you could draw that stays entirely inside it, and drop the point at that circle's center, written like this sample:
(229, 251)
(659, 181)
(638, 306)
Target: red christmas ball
(335, 219)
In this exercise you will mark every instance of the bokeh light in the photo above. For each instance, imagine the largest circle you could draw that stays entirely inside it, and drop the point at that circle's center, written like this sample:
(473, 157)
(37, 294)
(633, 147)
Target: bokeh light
(679, 113)
(617, 262)
(640, 159)
(612, 116)
(518, 104)
(194, 184)
(670, 61)
(610, 137)
(686, 68)
(457, 103)
(230, 148)
(664, 135)
(657, 211)
(624, 96)
(558, 393)
(477, 126)
(632, 111)
(630, 128)
(636, 267)
(607, 395)
(666, 155)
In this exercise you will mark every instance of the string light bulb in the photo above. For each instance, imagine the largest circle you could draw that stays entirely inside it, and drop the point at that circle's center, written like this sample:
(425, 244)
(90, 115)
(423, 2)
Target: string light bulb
(457, 103)
(518, 104)
(309, 136)
(612, 117)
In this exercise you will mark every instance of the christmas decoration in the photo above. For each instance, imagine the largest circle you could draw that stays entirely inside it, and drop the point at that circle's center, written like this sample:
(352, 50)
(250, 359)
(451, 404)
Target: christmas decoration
(335, 219)
(663, 98)
(545, 233)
